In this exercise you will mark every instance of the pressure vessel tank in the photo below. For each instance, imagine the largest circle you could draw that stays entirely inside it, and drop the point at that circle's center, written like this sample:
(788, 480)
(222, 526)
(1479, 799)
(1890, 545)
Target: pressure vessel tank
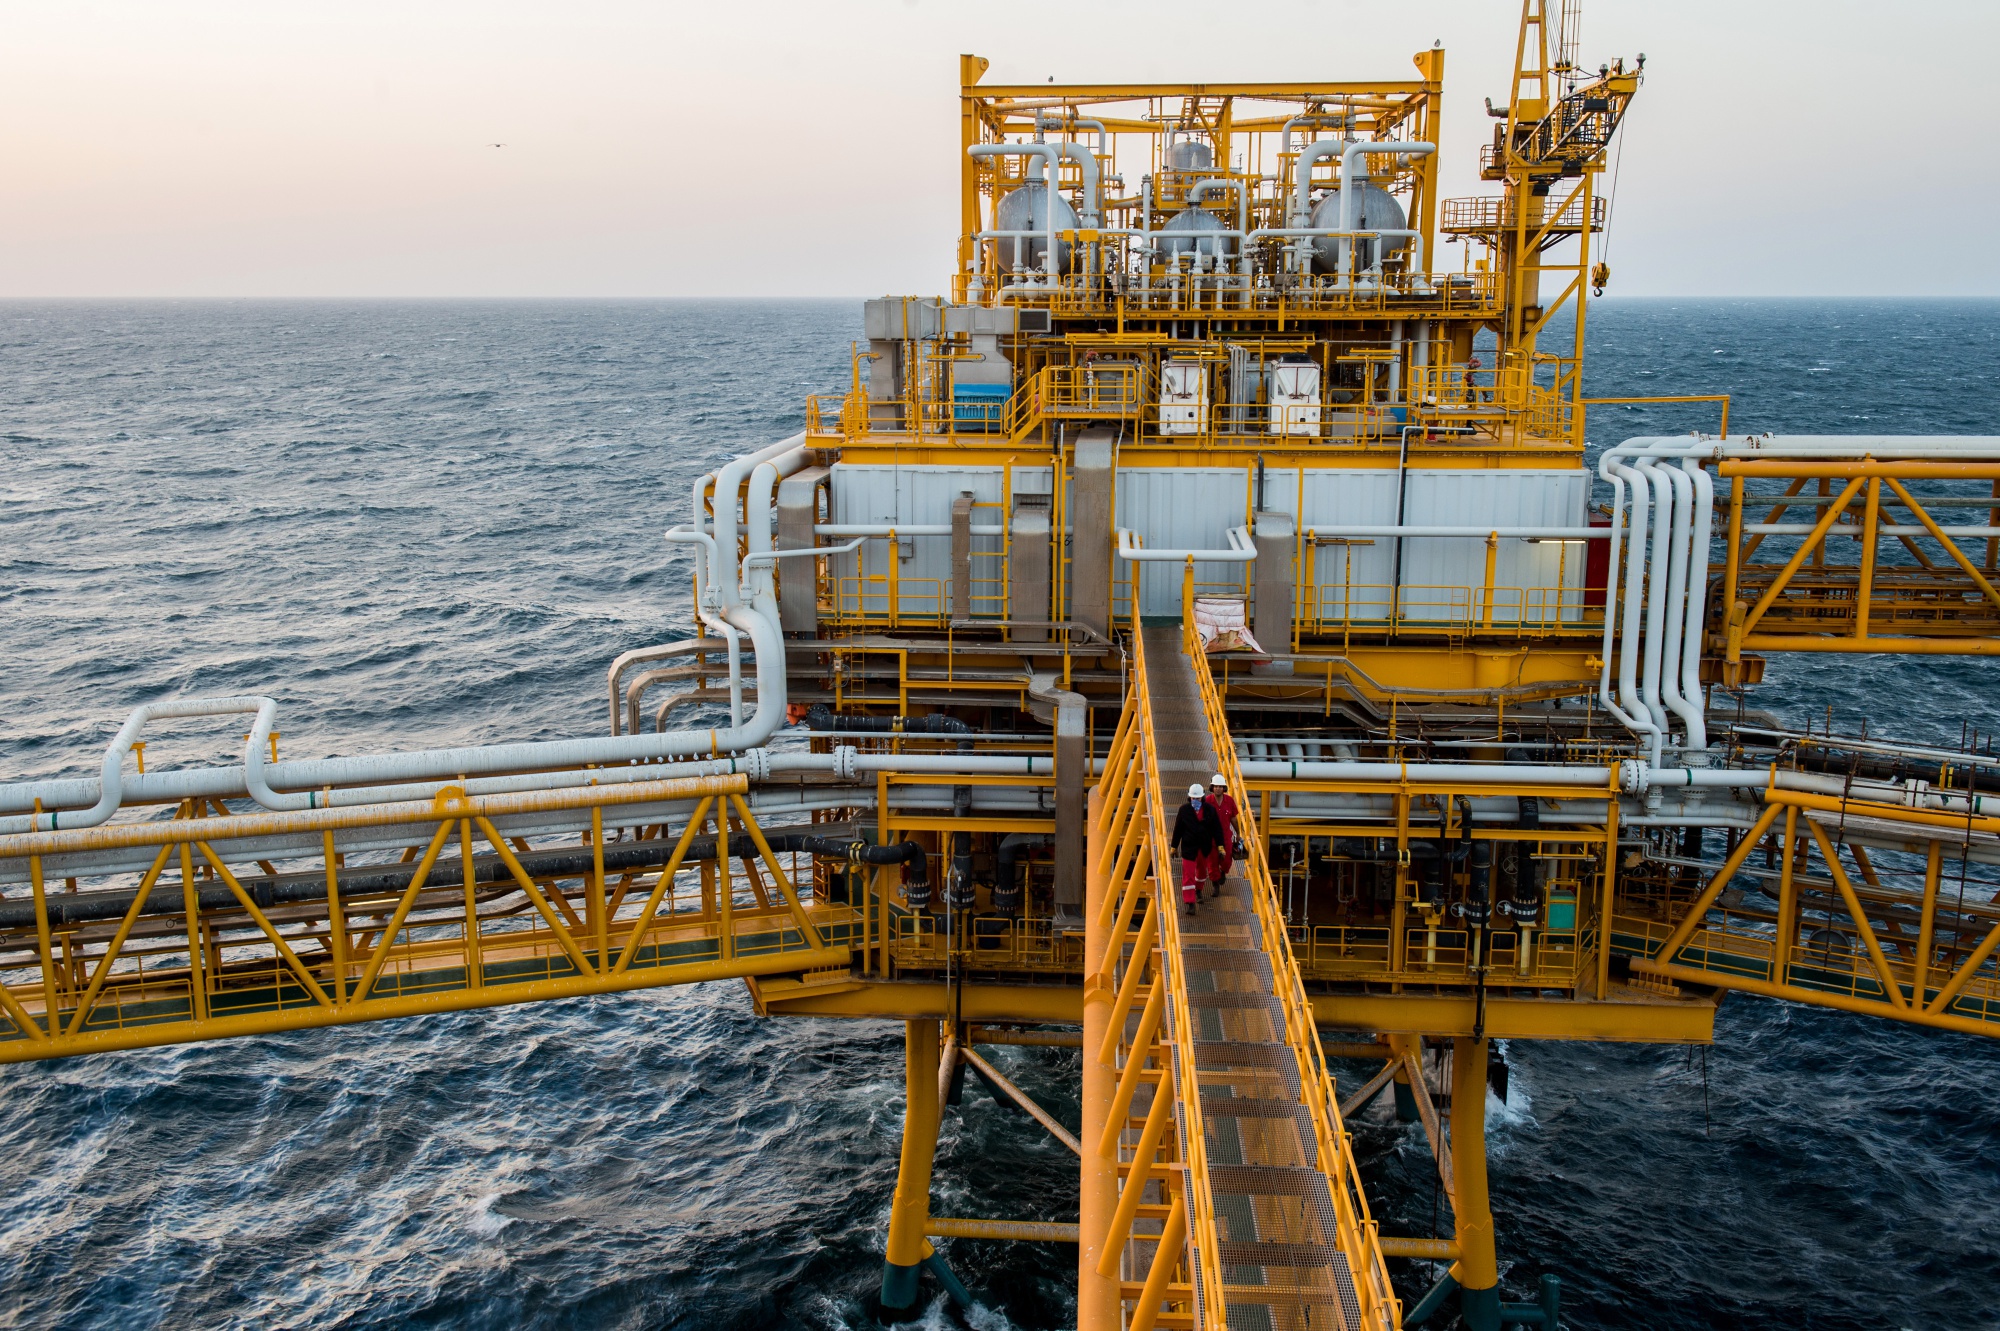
(1026, 208)
(1183, 234)
(1375, 209)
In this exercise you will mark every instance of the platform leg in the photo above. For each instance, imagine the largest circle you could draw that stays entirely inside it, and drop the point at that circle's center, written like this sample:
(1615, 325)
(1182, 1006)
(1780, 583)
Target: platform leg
(1477, 1269)
(1097, 1303)
(911, 1209)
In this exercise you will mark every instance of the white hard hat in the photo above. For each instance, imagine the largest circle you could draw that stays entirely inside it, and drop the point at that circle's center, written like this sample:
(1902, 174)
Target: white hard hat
(1195, 791)
(1218, 780)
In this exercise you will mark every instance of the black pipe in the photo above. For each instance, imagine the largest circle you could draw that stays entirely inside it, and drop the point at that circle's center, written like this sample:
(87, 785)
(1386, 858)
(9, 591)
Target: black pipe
(821, 717)
(448, 871)
(960, 891)
(1007, 868)
(1478, 907)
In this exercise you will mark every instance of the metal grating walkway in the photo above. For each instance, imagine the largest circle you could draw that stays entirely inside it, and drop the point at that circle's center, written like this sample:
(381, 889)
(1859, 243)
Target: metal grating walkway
(1282, 1267)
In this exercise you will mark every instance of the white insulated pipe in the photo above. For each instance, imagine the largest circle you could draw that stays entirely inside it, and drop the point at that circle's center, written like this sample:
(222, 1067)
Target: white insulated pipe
(1049, 156)
(1697, 602)
(1656, 592)
(1242, 550)
(305, 780)
(1675, 607)
(723, 578)
(1351, 174)
(758, 587)
(1629, 708)
(1473, 533)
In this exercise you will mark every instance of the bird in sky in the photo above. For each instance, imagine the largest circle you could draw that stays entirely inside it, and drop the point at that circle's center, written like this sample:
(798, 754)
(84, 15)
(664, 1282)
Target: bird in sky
(496, 145)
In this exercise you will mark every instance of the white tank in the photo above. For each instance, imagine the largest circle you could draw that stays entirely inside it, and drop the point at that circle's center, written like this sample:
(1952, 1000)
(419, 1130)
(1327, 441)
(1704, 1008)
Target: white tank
(1183, 235)
(1190, 155)
(1375, 210)
(1027, 209)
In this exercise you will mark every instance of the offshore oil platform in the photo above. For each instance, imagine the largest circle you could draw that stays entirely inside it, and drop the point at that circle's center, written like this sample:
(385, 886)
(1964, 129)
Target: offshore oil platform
(1204, 489)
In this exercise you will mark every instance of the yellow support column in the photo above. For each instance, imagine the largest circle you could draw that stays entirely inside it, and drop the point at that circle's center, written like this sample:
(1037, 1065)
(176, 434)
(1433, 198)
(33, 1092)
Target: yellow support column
(1097, 1301)
(1478, 1271)
(911, 1209)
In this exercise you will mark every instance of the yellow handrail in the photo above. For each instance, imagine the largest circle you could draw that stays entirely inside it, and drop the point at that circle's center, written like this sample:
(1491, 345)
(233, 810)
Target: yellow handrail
(1357, 1235)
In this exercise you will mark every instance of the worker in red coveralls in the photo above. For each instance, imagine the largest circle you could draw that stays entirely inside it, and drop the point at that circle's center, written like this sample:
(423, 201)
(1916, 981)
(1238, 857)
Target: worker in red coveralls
(1224, 856)
(1197, 832)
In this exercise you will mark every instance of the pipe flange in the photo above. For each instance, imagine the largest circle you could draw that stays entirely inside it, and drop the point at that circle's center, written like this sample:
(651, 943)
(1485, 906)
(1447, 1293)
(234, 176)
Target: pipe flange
(844, 767)
(756, 763)
(1634, 777)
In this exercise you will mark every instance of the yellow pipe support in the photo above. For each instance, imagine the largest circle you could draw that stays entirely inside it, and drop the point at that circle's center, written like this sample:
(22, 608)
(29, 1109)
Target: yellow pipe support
(1692, 920)
(1128, 1080)
(1022, 1231)
(1098, 1306)
(661, 887)
(50, 1007)
(278, 943)
(475, 963)
(1959, 978)
(1890, 987)
(380, 955)
(1932, 1017)
(336, 920)
(115, 946)
(197, 957)
(527, 885)
(911, 1205)
(1931, 818)
(1136, 1179)
(596, 919)
(1428, 1250)
(448, 804)
(1920, 992)
(1166, 1256)
(411, 1005)
(1788, 902)
(1035, 1039)
(1792, 565)
(1909, 471)
(784, 880)
(1022, 1098)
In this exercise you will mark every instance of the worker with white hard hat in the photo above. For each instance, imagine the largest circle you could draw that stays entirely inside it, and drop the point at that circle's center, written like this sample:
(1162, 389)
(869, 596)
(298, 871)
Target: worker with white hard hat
(1223, 858)
(1197, 832)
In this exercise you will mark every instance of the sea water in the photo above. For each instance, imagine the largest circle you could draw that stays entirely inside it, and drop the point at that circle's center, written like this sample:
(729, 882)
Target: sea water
(430, 523)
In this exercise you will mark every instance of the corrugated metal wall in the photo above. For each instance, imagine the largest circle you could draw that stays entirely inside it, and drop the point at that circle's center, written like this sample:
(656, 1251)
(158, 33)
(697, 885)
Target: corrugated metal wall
(1182, 508)
(1194, 508)
(922, 496)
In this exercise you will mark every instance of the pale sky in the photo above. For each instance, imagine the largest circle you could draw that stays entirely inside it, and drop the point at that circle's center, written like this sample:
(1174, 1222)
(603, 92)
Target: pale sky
(760, 148)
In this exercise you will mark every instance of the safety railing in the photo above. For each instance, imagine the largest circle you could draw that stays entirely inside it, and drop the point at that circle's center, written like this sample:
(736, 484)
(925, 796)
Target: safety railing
(1491, 212)
(1443, 608)
(250, 923)
(1357, 1235)
(1162, 292)
(1556, 958)
(1170, 1148)
(985, 942)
